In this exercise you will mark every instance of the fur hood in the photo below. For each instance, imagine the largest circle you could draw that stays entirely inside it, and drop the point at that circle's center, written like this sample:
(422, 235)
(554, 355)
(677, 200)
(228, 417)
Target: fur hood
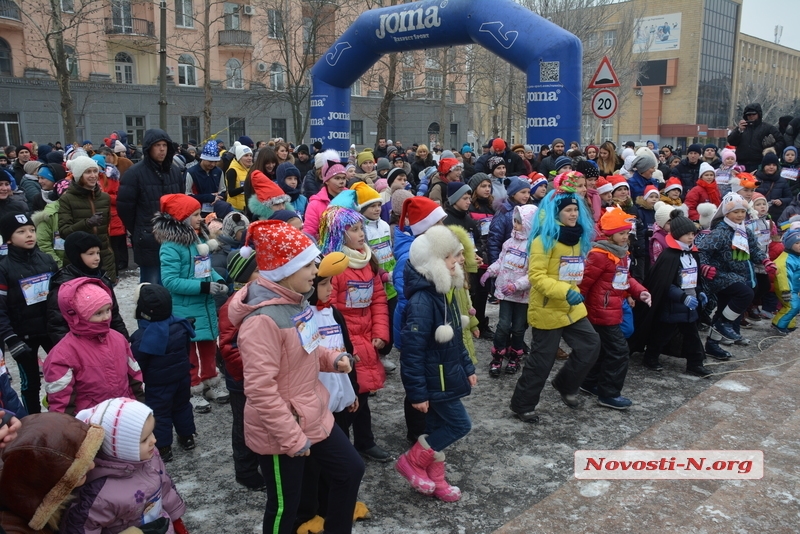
(427, 255)
(167, 228)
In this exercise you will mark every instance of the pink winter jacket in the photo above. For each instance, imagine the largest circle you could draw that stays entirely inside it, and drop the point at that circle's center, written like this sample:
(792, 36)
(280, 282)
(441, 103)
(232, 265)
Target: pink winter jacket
(316, 205)
(92, 363)
(118, 494)
(511, 266)
(287, 405)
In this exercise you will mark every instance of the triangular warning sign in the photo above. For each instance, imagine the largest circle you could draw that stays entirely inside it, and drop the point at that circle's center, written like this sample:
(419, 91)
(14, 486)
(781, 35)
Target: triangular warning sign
(604, 76)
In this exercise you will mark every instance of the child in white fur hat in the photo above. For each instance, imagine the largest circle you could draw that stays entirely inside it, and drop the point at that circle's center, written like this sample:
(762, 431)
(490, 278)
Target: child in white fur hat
(129, 485)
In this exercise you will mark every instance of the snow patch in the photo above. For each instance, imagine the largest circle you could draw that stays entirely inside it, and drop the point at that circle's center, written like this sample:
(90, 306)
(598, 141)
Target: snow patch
(595, 489)
(732, 385)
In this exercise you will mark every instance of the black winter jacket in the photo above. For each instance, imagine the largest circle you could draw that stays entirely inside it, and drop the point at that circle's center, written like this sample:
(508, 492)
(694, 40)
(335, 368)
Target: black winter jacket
(16, 316)
(751, 143)
(465, 220)
(14, 204)
(57, 326)
(172, 366)
(311, 184)
(514, 163)
(139, 194)
(774, 187)
(688, 174)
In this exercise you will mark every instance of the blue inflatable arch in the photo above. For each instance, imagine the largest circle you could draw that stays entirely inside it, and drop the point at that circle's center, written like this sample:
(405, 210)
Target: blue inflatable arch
(548, 54)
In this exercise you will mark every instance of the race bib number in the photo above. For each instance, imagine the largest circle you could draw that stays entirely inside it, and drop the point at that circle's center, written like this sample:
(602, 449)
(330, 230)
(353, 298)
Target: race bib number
(763, 237)
(514, 260)
(689, 278)
(202, 266)
(620, 280)
(35, 288)
(790, 174)
(331, 337)
(485, 223)
(58, 242)
(382, 251)
(4, 249)
(153, 508)
(571, 269)
(359, 294)
(306, 325)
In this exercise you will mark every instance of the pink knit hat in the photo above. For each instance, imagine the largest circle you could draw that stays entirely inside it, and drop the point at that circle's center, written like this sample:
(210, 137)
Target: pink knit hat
(89, 298)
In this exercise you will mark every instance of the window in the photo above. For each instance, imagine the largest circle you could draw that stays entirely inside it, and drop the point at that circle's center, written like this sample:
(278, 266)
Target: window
(407, 82)
(235, 128)
(453, 134)
(6, 66)
(408, 59)
(432, 58)
(355, 89)
(187, 74)
(135, 127)
(357, 132)
(277, 77)
(274, 24)
(123, 68)
(231, 16)
(190, 128)
(67, 6)
(184, 14)
(591, 41)
(233, 74)
(433, 85)
(9, 128)
(309, 47)
(72, 61)
(80, 126)
(609, 38)
(451, 92)
(279, 128)
(121, 16)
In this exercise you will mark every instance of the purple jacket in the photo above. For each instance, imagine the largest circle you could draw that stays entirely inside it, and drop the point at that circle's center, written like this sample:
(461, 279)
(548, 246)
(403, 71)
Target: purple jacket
(120, 494)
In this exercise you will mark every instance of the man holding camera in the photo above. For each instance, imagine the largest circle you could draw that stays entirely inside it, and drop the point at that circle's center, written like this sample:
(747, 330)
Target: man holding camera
(753, 138)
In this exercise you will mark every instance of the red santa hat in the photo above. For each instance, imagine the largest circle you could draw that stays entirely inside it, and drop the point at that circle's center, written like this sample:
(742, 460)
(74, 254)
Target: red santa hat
(673, 183)
(267, 192)
(604, 186)
(617, 181)
(281, 250)
(422, 213)
(649, 190)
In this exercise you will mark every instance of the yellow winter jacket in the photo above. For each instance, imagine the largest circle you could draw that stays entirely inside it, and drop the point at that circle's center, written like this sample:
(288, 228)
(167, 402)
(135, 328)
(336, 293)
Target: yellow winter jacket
(241, 173)
(781, 287)
(548, 308)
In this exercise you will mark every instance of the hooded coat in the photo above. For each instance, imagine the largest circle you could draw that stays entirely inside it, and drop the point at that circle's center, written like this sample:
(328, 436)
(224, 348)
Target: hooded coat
(117, 494)
(299, 202)
(603, 300)
(92, 363)
(511, 265)
(75, 206)
(139, 193)
(181, 247)
(751, 143)
(775, 187)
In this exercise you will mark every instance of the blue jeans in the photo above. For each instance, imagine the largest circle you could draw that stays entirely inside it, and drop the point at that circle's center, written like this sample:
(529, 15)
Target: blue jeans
(445, 423)
(511, 324)
(150, 275)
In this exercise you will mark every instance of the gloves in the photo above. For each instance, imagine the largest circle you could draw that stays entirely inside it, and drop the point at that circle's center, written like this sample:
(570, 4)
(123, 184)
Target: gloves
(384, 276)
(17, 348)
(645, 297)
(703, 298)
(485, 277)
(574, 298)
(509, 289)
(179, 527)
(690, 302)
(159, 526)
(708, 272)
(786, 296)
(768, 141)
(95, 220)
(218, 289)
(770, 267)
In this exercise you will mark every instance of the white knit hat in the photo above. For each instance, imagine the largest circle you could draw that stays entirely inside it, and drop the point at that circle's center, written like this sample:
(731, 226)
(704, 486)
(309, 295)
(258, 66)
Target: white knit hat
(123, 420)
(704, 168)
(240, 150)
(79, 165)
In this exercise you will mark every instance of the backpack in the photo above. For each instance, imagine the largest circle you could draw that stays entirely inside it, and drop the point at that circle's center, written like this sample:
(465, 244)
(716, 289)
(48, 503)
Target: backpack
(430, 190)
(226, 160)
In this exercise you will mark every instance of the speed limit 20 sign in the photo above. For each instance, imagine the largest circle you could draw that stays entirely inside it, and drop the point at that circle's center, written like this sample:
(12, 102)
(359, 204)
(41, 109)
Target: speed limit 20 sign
(604, 104)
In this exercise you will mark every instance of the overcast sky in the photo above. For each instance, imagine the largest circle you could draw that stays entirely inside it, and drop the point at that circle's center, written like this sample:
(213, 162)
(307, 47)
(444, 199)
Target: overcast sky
(759, 18)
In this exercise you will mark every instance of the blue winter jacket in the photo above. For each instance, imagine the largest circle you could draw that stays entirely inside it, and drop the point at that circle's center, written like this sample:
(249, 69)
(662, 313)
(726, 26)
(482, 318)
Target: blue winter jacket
(402, 245)
(637, 183)
(716, 251)
(171, 366)
(500, 229)
(205, 184)
(432, 371)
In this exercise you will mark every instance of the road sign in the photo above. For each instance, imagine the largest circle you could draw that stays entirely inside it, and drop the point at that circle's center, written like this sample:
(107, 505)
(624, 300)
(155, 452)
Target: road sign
(604, 104)
(604, 77)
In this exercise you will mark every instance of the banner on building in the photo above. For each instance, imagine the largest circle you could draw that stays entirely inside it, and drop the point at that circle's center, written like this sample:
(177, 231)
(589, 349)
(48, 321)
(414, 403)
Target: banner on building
(656, 34)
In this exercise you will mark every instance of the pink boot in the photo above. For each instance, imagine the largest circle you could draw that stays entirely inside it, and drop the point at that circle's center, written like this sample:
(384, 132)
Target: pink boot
(412, 465)
(444, 491)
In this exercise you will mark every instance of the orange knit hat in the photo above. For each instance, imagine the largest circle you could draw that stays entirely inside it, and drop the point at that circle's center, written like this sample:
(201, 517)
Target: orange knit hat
(615, 220)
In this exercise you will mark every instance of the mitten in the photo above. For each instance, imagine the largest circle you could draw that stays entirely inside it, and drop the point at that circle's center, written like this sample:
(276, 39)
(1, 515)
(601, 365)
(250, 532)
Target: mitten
(218, 289)
(770, 267)
(16, 347)
(574, 298)
(384, 276)
(703, 299)
(708, 272)
(485, 277)
(95, 220)
(509, 289)
(690, 302)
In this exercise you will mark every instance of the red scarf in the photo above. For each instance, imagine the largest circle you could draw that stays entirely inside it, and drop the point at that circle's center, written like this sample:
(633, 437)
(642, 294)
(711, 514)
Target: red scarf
(322, 305)
(712, 190)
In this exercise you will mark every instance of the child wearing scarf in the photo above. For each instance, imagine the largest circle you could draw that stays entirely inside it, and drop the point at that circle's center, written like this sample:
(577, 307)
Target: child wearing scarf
(706, 190)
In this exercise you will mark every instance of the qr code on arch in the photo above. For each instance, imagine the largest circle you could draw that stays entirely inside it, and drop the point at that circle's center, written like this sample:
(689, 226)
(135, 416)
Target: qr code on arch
(549, 71)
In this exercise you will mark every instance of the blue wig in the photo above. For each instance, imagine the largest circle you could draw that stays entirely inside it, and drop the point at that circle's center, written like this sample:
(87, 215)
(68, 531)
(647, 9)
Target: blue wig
(547, 226)
(333, 225)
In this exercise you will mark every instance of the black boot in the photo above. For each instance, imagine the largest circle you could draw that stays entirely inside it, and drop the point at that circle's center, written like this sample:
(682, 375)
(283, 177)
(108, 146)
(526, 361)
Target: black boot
(714, 350)
(699, 370)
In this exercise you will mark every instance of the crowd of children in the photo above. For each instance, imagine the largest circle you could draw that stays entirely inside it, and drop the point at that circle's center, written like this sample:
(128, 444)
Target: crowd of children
(300, 308)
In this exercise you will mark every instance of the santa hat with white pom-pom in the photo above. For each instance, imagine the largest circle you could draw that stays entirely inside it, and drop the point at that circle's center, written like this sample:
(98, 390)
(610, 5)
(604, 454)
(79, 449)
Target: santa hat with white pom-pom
(281, 250)
(427, 256)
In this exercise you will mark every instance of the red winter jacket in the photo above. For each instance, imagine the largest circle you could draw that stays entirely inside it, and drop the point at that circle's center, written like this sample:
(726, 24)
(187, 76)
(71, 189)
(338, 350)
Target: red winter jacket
(115, 226)
(227, 348)
(367, 319)
(603, 301)
(696, 196)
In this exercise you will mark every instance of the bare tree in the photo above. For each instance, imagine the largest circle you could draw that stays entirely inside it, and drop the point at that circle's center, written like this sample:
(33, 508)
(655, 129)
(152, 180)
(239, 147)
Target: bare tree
(764, 89)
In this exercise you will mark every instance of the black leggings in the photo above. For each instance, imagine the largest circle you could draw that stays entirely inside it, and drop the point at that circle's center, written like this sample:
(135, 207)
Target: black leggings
(28, 364)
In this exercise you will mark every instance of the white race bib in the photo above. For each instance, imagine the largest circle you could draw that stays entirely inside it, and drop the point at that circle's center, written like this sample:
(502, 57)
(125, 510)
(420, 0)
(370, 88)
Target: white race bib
(571, 269)
(359, 294)
(620, 280)
(36, 288)
(382, 251)
(58, 242)
(689, 278)
(789, 173)
(514, 260)
(306, 325)
(485, 223)
(202, 266)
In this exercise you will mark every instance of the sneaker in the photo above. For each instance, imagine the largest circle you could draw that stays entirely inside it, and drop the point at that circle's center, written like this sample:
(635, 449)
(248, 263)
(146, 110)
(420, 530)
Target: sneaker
(200, 404)
(569, 399)
(713, 349)
(492, 300)
(165, 453)
(388, 365)
(186, 442)
(726, 329)
(701, 371)
(780, 331)
(377, 454)
(617, 403)
(527, 417)
(591, 390)
(767, 315)
(214, 390)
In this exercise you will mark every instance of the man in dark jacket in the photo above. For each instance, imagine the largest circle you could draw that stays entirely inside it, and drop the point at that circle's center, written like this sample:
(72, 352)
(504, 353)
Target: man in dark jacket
(688, 170)
(514, 163)
(302, 160)
(752, 136)
(23, 157)
(138, 199)
(790, 136)
(549, 163)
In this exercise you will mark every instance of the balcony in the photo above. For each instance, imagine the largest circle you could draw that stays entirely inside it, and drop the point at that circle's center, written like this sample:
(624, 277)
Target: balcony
(10, 13)
(234, 38)
(130, 27)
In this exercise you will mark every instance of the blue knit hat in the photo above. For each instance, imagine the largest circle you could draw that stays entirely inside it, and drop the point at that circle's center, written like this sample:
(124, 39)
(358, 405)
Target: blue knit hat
(210, 151)
(561, 161)
(514, 185)
(789, 239)
(466, 148)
